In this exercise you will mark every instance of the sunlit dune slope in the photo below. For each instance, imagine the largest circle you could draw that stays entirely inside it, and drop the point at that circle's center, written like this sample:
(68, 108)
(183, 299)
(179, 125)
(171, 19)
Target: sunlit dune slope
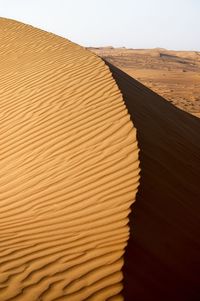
(162, 260)
(68, 170)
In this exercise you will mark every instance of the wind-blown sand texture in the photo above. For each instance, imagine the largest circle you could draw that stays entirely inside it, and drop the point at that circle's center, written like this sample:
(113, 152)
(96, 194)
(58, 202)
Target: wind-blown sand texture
(162, 259)
(68, 170)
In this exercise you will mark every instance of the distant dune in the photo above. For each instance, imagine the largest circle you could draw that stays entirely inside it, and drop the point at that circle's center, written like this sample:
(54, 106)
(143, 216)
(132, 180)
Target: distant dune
(162, 259)
(69, 170)
(175, 75)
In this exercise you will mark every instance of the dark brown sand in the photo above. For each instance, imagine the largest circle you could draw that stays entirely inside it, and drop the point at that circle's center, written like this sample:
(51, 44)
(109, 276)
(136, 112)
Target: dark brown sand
(162, 260)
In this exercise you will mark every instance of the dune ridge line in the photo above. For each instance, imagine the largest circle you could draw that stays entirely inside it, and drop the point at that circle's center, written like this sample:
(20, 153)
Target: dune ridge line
(69, 170)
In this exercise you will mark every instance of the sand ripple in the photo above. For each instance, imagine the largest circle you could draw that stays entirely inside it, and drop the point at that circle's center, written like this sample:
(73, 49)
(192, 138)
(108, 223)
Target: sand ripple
(68, 170)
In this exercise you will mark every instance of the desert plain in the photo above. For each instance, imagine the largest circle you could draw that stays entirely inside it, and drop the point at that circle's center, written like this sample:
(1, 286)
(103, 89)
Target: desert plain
(175, 75)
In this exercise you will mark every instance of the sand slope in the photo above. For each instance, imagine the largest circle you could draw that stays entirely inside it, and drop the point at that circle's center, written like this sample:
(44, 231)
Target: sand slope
(162, 260)
(68, 170)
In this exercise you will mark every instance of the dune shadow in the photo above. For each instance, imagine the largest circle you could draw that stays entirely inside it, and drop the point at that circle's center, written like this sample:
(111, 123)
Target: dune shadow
(162, 260)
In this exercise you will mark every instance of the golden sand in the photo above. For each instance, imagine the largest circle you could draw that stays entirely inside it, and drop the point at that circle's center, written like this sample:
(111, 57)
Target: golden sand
(68, 170)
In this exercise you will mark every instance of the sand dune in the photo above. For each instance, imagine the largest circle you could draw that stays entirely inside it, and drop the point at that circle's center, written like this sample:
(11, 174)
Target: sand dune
(162, 259)
(68, 170)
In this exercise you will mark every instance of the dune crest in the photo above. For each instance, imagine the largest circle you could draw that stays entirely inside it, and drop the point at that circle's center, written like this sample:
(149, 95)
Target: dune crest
(68, 170)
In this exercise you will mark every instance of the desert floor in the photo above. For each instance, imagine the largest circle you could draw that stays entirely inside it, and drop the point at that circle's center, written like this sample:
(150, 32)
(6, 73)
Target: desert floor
(175, 75)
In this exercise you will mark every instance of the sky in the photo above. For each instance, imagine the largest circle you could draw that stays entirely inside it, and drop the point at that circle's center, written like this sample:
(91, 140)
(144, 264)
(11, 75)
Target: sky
(170, 24)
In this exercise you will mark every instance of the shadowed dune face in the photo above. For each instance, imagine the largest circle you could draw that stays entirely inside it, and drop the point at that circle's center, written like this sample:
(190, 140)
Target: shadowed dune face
(68, 170)
(162, 259)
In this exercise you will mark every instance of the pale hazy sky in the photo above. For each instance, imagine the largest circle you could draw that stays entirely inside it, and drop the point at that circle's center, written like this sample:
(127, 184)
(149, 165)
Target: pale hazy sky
(171, 24)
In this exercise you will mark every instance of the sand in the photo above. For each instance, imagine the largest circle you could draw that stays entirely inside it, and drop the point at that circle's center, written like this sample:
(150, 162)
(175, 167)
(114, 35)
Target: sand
(69, 170)
(175, 75)
(162, 259)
